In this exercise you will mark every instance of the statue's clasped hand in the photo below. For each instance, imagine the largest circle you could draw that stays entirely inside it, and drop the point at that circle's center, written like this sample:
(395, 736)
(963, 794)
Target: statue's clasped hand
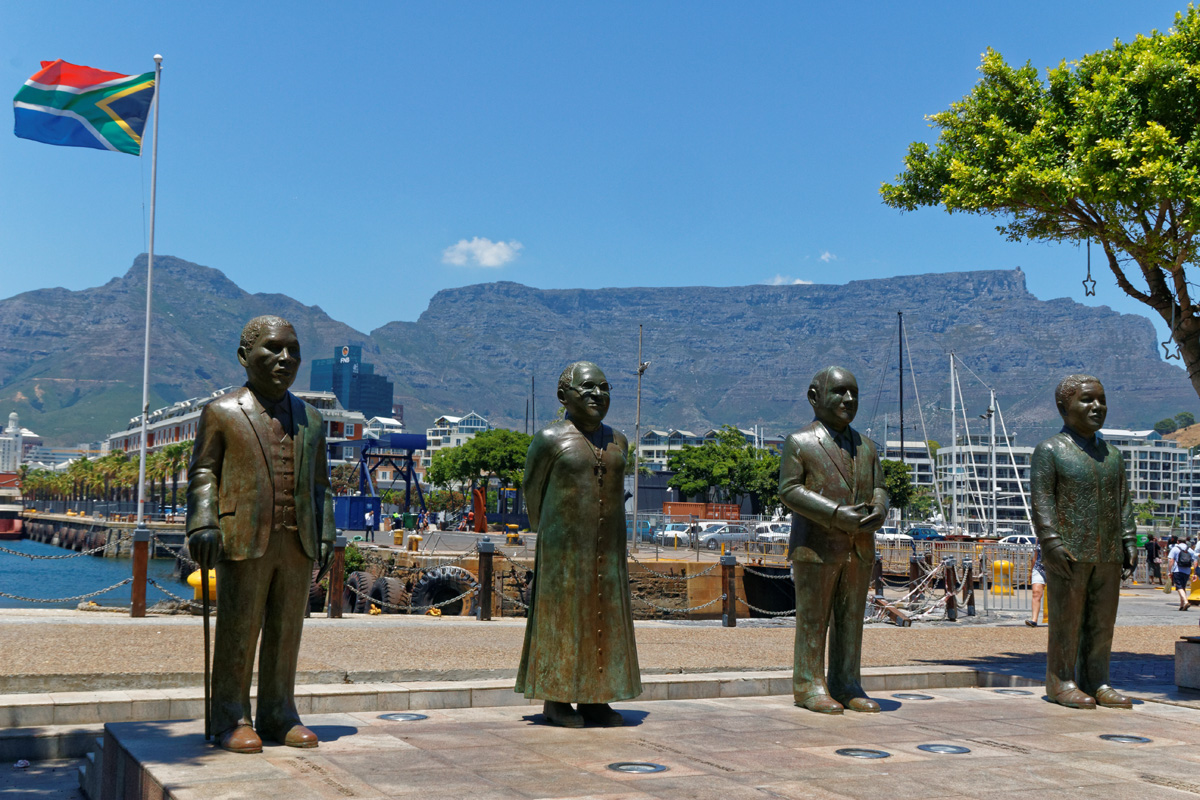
(1058, 559)
(850, 519)
(205, 547)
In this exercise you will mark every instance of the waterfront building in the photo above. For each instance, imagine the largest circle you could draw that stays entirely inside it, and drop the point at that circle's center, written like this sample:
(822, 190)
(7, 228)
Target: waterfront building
(353, 381)
(972, 457)
(656, 446)
(177, 423)
(1153, 465)
(916, 456)
(378, 426)
(11, 449)
(448, 431)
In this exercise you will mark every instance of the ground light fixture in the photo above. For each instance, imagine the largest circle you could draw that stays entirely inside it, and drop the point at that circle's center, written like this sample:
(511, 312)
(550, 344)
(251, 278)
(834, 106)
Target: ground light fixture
(1014, 692)
(911, 696)
(862, 752)
(636, 767)
(944, 749)
(403, 717)
(1125, 738)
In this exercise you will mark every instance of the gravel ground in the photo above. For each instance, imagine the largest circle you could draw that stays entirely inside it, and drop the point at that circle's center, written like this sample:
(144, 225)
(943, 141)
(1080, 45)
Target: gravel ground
(74, 643)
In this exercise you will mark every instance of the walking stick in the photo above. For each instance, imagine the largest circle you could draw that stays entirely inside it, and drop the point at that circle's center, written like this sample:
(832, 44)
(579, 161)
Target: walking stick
(207, 676)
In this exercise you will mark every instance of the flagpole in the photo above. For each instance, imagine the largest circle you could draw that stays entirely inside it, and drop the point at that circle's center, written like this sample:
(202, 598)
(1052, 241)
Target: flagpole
(141, 535)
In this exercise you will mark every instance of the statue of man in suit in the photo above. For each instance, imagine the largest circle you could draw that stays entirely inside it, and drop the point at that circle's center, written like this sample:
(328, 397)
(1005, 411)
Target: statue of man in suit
(260, 510)
(831, 479)
(1083, 517)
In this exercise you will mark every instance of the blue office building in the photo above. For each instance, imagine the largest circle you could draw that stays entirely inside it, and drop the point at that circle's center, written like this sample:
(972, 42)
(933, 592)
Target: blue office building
(353, 381)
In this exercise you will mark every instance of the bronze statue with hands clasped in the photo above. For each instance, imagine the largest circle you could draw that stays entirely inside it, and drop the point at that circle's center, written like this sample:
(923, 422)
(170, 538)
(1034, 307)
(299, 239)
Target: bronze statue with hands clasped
(1083, 517)
(260, 510)
(831, 479)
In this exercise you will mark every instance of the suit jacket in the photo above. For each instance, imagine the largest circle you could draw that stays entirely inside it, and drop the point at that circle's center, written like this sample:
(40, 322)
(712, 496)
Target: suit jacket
(231, 482)
(813, 482)
(1082, 497)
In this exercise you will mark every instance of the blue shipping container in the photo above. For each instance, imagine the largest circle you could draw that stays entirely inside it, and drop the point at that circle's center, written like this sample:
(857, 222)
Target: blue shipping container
(349, 512)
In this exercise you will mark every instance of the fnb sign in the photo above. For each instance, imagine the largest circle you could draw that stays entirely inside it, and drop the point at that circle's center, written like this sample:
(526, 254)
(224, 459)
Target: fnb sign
(345, 359)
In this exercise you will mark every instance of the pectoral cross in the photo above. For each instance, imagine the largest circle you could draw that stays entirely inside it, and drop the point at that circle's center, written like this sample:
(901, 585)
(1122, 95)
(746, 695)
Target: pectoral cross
(599, 470)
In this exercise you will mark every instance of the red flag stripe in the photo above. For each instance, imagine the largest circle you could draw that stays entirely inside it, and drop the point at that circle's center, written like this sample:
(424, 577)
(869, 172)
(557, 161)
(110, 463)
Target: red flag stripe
(61, 73)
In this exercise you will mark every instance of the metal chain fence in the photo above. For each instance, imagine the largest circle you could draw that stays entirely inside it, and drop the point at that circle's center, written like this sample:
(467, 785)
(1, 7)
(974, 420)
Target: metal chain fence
(473, 590)
(80, 597)
(667, 577)
(789, 613)
(679, 610)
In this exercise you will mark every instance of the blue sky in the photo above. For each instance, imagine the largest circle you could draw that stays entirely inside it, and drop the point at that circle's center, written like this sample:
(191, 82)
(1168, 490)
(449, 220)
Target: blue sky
(362, 157)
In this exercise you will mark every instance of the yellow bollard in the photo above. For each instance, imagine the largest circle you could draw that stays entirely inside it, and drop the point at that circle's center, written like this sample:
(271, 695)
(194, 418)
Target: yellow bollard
(1194, 594)
(1002, 577)
(414, 542)
(194, 582)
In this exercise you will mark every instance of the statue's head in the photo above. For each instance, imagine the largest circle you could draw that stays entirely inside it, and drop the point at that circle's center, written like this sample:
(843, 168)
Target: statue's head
(270, 353)
(833, 394)
(584, 392)
(1080, 400)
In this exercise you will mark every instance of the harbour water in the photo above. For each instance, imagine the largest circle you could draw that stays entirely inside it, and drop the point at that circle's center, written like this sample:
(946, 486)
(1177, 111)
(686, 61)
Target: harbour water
(66, 577)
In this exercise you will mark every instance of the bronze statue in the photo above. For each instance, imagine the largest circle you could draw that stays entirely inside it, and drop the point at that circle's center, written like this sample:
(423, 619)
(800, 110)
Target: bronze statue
(831, 479)
(579, 644)
(260, 510)
(1083, 516)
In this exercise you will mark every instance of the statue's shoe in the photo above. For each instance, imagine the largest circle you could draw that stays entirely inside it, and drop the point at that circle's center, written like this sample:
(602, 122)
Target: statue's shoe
(240, 739)
(1074, 698)
(295, 735)
(601, 714)
(1109, 697)
(561, 714)
(860, 703)
(821, 703)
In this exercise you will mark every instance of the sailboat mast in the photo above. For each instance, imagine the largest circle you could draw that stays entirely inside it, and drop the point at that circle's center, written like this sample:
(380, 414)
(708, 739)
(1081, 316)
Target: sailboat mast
(900, 316)
(953, 452)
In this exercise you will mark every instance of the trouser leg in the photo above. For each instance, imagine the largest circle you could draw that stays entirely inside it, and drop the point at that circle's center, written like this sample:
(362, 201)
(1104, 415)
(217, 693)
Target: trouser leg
(814, 594)
(1099, 619)
(846, 628)
(283, 623)
(1066, 602)
(242, 593)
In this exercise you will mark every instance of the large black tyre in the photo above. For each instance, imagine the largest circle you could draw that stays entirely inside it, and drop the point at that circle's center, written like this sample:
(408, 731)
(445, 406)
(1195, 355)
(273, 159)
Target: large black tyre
(316, 594)
(353, 602)
(442, 583)
(389, 595)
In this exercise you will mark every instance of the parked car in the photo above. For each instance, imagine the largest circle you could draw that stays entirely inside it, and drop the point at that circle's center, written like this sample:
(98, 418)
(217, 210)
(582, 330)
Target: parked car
(889, 535)
(773, 532)
(923, 533)
(675, 534)
(1020, 540)
(727, 534)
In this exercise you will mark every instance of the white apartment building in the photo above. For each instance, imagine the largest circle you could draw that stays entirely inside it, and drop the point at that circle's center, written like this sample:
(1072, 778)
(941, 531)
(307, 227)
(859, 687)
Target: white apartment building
(177, 423)
(916, 456)
(11, 445)
(1153, 466)
(379, 426)
(448, 431)
(970, 499)
(656, 446)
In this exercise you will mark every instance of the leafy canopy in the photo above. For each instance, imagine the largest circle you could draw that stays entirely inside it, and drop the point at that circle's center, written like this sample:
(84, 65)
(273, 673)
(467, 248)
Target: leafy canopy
(1105, 148)
(726, 469)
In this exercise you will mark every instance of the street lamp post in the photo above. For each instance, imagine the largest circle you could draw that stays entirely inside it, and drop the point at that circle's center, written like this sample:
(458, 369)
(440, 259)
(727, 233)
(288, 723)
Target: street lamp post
(637, 446)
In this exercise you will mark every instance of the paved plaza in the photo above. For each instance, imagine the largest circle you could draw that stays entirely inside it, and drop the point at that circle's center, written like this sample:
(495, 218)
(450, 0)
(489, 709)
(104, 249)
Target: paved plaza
(726, 748)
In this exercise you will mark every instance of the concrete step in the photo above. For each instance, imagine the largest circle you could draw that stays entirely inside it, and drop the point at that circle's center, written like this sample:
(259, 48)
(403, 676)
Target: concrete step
(37, 711)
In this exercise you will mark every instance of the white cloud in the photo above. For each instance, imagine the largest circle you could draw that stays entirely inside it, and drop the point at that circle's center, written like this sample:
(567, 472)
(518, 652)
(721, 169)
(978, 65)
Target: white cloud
(828, 256)
(785, 280)
(481, 252)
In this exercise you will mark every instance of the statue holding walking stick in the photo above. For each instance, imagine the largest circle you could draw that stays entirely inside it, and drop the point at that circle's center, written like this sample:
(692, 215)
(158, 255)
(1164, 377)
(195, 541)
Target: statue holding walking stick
(260, 511)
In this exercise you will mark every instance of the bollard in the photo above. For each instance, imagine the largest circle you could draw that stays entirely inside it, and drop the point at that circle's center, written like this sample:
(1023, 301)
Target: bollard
(729, 586)
(487, 551)
(951, 579)
(877, 574)
(1002, 577)
(914, 573)
(141, 557)
(969, 587)
(337, 574)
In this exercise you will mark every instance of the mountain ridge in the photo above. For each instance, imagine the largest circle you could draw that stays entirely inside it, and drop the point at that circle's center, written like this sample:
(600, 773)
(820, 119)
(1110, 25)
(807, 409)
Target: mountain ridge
(70, 361)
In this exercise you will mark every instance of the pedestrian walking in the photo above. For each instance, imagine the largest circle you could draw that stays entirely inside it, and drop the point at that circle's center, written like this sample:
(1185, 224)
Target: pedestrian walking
(1154, 559)
(1038, 587)
(1180, 560)
(369, 524)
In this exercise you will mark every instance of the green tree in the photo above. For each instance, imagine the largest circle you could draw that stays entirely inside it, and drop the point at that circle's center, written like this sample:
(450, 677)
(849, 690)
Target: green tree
(727, 469)
(344, 479)
(1105, 148)
(1184, 419)
(1144, 511)
(897, 479)
(1165, 426)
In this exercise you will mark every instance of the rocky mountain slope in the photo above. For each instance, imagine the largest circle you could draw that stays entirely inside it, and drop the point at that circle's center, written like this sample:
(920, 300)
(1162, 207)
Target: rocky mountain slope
(70, 362)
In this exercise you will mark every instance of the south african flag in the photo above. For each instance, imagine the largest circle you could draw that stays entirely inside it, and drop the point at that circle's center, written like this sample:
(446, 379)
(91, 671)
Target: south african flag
(74, 106)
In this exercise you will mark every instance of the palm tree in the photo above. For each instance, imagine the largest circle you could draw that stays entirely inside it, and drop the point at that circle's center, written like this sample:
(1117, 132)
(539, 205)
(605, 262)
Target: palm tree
(176, 457)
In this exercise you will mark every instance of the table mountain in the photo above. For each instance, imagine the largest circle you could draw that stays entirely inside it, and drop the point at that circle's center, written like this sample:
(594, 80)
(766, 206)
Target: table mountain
(70, 362)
